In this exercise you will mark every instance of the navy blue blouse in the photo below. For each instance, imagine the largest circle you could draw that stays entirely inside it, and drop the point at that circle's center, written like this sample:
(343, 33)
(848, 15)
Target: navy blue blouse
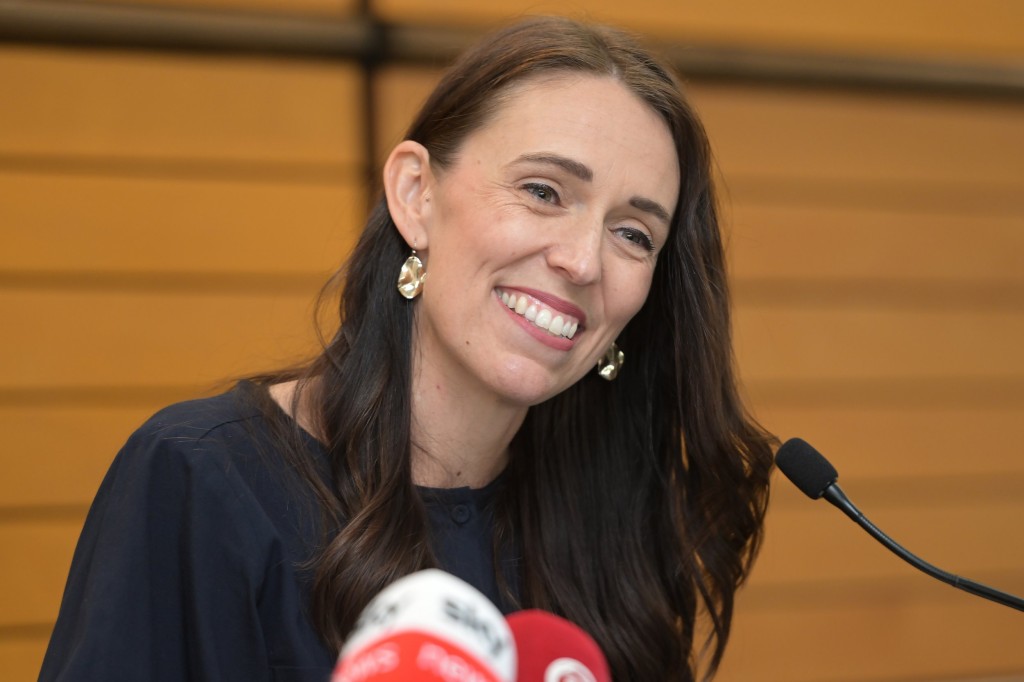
(187, 567)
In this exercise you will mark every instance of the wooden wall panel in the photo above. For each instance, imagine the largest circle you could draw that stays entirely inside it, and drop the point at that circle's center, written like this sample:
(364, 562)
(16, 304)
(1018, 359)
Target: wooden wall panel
(115, 106)
(399, 92)
(873, 442)
(168, 220)
(877, 253)
(31, 587)
(985, 30)
(924, 632)
(56, 455)
(965, 526)
(325, 8)
(870, 245)
(827, 343)
(61, 222)
(163, 339)
(826, 602)
(21, 655)
(819, 135)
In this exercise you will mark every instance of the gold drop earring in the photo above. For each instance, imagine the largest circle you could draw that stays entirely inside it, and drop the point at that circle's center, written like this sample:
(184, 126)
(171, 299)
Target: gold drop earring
(411, 276)
(611, 362)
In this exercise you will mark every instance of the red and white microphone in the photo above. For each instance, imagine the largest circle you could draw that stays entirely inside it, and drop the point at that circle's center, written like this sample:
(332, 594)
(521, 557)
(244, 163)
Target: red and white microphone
(426, 627)
(551, 649)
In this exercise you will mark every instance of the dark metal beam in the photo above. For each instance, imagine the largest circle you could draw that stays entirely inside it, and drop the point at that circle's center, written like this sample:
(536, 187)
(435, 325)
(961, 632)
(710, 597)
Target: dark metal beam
(365, 39)
(181, 29)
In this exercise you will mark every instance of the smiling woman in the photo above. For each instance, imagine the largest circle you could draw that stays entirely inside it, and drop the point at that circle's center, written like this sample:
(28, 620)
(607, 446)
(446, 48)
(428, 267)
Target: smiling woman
(553, 209)
(538, 209)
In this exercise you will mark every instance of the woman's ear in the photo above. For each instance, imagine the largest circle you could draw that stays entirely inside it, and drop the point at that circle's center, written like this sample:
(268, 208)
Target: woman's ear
(407, 184)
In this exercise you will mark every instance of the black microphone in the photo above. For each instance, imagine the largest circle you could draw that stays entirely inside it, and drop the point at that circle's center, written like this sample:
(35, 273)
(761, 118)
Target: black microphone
(811, 472)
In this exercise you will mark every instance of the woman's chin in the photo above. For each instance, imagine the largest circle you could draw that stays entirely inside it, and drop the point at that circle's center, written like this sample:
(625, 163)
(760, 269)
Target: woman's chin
(528, 384)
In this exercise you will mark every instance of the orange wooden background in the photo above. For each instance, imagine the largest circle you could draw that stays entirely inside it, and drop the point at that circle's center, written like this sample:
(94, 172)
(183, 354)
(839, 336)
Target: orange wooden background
(166, 219)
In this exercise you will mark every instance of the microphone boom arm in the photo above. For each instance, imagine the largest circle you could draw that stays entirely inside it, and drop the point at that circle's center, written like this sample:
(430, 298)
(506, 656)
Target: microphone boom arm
(835, 495)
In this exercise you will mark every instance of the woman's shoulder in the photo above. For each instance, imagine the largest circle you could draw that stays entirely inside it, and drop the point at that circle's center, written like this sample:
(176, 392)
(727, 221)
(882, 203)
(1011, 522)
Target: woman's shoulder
(215, 457)
(229, 426)
(207, 445)
(201, 419)
(190, 530)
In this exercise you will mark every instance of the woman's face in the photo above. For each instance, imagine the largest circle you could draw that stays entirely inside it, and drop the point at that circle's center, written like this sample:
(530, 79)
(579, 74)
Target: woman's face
(562, 201)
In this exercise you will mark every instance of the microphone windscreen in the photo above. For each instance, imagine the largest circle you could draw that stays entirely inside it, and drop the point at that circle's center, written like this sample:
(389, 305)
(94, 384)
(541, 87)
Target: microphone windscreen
(805, 467)
(551, 649)
(428, 626)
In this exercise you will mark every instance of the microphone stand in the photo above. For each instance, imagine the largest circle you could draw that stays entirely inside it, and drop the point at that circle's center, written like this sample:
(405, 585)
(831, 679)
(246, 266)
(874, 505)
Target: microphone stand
(835, 495)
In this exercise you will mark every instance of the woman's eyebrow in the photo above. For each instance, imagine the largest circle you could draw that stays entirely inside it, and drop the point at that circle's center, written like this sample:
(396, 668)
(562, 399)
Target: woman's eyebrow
(652, 207)
(571, 166)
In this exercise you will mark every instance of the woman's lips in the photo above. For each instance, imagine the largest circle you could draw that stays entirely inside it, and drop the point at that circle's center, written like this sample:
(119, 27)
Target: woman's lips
(554, 320)
(553, 302)
(551, 327)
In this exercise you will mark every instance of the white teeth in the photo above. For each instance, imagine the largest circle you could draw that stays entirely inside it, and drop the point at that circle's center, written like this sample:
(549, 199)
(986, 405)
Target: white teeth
(554, 324)
(543, 319)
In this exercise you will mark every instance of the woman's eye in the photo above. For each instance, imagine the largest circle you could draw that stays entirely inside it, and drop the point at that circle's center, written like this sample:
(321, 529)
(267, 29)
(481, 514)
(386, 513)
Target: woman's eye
(542, 192)
(638, 237)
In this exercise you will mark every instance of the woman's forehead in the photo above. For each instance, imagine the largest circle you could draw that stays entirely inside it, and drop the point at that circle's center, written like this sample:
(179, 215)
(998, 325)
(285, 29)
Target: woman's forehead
(592, 121)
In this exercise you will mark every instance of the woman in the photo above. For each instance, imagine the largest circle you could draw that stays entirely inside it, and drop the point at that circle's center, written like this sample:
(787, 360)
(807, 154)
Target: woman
(556, 188)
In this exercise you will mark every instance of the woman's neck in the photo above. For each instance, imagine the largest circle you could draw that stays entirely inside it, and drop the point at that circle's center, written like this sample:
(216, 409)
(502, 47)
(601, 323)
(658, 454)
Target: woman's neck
(460, 437)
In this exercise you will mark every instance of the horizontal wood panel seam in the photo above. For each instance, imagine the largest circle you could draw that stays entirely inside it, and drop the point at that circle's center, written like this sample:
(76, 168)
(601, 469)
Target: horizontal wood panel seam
(26, 631)
(890, 392)
(827, 594)
(790, 291)
(105, 396)
(892, 194)
(43, 513)
(192, 168)
(918, 490)
(194, 283)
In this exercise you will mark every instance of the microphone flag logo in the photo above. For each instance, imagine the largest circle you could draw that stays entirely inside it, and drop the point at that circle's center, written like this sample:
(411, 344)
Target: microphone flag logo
(427, 626)
(568, 670)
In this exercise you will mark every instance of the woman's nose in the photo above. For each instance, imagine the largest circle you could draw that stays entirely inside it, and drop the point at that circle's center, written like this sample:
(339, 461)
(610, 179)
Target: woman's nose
(576, 251)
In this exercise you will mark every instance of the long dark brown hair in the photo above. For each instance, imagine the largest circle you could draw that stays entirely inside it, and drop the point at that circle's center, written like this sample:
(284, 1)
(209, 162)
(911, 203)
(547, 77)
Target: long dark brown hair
(636, 506)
